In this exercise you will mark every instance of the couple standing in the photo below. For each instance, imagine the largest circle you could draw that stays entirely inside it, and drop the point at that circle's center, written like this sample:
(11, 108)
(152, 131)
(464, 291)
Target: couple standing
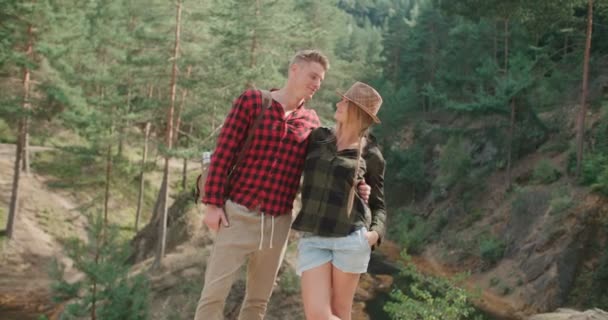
(339, 222)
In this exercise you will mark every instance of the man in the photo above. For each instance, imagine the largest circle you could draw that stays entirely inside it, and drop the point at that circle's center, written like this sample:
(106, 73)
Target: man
(253, 220)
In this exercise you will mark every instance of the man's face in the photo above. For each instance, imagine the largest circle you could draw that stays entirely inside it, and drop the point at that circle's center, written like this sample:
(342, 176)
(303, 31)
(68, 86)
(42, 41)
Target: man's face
(307, 78)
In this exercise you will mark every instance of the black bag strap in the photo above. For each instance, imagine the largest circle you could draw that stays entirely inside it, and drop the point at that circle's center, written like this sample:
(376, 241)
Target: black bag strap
(266, 103)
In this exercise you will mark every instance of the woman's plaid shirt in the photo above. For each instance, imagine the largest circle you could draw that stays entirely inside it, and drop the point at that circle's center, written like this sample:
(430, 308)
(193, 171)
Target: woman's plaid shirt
(268, 177)
(328, 179)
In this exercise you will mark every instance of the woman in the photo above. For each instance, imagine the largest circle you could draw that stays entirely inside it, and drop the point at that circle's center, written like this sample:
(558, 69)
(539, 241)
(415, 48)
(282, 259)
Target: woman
(339, 228)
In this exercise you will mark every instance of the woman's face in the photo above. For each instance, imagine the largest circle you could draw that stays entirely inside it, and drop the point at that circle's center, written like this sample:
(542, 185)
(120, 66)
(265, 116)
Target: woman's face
(341, 115)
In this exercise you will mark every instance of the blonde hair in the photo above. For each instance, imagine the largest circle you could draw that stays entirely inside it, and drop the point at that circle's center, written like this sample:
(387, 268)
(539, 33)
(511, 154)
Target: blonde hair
(360, 122)
(311, 56)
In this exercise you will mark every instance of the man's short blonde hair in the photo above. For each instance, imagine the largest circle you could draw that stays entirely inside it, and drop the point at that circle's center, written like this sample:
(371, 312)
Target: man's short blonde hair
(311, 56)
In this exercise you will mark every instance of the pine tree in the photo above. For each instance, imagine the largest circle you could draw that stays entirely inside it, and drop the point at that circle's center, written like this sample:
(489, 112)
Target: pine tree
(106, 291)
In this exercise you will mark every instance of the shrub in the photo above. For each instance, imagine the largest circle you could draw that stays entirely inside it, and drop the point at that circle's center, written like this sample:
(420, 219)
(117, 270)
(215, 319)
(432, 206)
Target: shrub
(595, 172)
(289, 282)
(454, 162)
(560, 202)
(491, 250)
(601, 184)
(600, 281)
(429, 298)
(410, 230)
(408, 168)
(106, 284)
(545, 173)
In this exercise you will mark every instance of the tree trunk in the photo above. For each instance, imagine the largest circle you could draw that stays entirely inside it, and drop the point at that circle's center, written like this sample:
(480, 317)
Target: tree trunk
(94, 297)
(140, 197)
(107, 187)
(14, 205)
(169, 140)
(565, 46)
(180, 110)
(432, 52)
(254, 44)
(496, 23)
(122, 126)
(160, 202)
(580, 132)
(213, 118)
(512, 118)
(396, 63)
(26, 105)
(26, 143)
(506, 49)
(510, 143)
(21, 143)
(185, 167)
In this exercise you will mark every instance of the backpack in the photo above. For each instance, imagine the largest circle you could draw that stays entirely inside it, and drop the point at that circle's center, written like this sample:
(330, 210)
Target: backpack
(202, 177)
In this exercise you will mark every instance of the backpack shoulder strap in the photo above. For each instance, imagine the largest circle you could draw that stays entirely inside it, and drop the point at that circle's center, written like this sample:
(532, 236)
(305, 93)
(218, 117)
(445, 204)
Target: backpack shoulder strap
(266, 104)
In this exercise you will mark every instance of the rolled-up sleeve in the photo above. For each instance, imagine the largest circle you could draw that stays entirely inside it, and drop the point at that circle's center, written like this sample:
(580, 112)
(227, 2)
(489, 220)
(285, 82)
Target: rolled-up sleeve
(375, 178)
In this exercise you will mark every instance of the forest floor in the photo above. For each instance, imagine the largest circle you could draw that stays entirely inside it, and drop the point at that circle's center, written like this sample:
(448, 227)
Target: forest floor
(43, 217)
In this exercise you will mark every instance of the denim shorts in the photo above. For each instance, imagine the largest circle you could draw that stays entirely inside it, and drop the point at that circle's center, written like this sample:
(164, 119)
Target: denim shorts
(349, 254)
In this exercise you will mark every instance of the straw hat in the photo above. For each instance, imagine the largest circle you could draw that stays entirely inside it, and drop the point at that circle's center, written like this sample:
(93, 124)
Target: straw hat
(364, 97)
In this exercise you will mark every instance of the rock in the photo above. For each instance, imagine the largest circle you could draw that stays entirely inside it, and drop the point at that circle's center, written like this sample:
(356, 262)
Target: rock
(569, 314)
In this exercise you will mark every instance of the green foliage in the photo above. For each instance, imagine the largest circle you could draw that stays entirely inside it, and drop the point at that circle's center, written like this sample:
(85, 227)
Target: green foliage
(454, 162)
(595, 172)
(289, 282)
(72, 167)
(491, 249)
(600, 281)
(429, 298)
(545, 172)
(106, 284)
(561, 201)
(408, 169)
(7, 135)
(413, 231)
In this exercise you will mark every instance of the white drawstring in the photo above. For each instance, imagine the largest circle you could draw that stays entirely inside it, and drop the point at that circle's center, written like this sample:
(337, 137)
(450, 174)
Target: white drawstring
(261, 232)
(271, 232)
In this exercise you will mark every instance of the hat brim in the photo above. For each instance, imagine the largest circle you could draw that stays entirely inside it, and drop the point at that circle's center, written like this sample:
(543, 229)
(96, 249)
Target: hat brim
(373, 116)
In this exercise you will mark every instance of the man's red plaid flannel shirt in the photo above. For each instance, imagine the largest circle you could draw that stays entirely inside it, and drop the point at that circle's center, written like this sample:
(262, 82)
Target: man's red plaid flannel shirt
(268, 177)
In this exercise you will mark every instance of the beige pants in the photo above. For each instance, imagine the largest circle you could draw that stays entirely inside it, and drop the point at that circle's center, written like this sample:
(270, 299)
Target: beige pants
(248, 231)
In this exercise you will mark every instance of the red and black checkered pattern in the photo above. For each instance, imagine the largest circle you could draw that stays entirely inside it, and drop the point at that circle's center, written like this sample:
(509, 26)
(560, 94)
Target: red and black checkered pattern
(268, 178)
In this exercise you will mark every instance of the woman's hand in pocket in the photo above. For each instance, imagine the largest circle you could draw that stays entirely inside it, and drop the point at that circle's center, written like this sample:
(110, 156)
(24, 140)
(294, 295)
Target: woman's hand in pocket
(372, 237)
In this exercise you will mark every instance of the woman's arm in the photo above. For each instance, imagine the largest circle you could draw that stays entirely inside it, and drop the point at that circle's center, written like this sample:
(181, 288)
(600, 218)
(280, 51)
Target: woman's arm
(374, 176)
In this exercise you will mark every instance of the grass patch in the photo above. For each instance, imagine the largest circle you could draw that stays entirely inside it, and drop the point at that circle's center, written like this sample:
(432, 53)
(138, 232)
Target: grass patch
(83, 171)
(50, 222)
(73, 168)
(3, 218)
(7, 134)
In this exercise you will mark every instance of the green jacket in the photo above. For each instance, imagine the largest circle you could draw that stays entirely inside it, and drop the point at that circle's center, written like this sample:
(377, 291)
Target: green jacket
(328, 178)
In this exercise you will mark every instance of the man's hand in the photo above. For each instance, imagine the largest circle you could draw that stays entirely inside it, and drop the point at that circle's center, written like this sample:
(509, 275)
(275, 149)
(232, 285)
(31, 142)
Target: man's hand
(364, 190)
(214, 216)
